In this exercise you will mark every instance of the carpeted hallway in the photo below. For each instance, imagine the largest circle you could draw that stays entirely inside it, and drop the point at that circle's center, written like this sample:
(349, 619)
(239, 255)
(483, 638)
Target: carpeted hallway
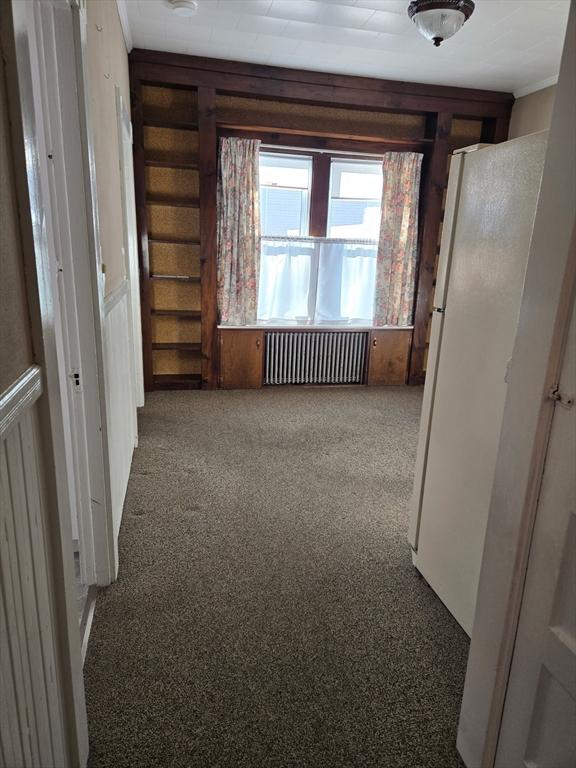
(267, 612)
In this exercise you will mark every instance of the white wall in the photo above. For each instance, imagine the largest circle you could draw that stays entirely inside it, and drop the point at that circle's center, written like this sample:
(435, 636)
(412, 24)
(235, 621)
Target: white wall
(119, 397)
(532, 113)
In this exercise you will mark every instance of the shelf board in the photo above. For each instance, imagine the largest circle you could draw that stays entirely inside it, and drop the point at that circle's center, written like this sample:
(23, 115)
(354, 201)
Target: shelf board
(173, 202)
(171, 241)
(181, 346)
(178, 312)
(151, 163)
(151, 122)
(177, 381)
(181, 278)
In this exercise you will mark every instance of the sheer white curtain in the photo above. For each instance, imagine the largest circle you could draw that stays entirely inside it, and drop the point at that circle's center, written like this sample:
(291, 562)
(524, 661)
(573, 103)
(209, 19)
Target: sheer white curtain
(317, 281)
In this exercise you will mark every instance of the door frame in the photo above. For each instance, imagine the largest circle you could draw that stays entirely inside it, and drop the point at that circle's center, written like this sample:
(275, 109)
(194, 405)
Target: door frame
(17, 30)
(533, 375)
(131, 250)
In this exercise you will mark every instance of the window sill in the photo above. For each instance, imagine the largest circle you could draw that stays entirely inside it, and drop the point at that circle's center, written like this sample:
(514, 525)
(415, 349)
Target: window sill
(265, 327)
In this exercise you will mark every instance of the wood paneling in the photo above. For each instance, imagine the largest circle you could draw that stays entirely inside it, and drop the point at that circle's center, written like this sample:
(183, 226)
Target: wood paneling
(208, 164)
(316, 88)
(389, 353)
(434, 180)
(241, 358)
(319, 195)
(310, 110)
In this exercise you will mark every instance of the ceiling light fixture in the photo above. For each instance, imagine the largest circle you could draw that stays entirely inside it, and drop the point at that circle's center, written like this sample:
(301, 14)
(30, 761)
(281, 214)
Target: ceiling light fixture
(438, 20)
(184, 7)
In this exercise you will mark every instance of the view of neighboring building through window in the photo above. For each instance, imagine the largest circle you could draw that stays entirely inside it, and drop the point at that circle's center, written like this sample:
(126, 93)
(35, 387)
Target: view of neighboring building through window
(285, 182)
(355, 199)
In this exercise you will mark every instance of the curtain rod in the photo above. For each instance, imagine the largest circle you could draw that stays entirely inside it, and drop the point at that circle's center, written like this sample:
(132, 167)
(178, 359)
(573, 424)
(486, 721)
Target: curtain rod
(303, 150)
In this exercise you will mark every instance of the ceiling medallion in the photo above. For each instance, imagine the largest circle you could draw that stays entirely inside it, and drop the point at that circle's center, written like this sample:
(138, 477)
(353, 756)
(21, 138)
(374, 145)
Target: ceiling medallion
(438, 20)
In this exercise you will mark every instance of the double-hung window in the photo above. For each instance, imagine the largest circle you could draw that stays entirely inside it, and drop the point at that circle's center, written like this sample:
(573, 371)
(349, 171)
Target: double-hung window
(327, 280)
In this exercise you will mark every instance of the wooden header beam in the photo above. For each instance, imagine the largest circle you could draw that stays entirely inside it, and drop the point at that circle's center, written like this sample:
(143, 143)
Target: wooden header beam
(315, 88)
(311, 78)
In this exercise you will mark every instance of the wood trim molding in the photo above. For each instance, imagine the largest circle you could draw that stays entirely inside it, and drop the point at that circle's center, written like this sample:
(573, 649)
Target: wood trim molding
(434, 180)
(223, 68)
(319, 195)
(137, 114)
(531, 499)
(15, 400)
(208, 171)
(391, 97)
(322, 141)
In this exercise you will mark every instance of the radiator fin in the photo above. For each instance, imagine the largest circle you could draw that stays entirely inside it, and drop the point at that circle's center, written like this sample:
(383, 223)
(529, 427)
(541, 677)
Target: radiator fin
(315, 357)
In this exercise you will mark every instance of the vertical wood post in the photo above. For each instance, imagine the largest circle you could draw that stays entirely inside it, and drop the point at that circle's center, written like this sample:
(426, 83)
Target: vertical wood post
(434, 180)
(494, 130)
(142, 225)
(319, 194)
(208, 174)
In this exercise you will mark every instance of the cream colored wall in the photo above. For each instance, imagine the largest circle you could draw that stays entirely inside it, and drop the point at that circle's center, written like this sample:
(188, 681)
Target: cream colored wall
(107, 67)
(532, 113)
(15, 341)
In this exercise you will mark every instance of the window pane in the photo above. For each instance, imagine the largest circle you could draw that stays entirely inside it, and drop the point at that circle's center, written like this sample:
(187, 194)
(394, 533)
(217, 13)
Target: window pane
(284, 284)
(346, 280)
(284, 194)
(355, 199)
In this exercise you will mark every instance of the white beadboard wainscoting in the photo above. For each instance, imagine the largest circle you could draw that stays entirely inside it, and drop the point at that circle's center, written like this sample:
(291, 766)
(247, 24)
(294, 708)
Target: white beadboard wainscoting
(32, 732)
(121, 409)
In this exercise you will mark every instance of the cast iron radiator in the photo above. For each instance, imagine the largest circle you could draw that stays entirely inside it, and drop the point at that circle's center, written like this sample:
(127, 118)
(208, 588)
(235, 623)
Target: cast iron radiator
(315, 357)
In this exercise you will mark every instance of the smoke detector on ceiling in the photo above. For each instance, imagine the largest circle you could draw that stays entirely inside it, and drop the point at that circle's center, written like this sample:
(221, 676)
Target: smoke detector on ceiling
(184, 7)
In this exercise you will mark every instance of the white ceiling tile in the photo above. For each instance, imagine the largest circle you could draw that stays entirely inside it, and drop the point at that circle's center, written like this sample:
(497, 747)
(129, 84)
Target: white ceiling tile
(391, 23)
(506, 44)
(392, 6)
(252, 7)
(280, 45)
(295, 10)
(343, 15)
(262, 25)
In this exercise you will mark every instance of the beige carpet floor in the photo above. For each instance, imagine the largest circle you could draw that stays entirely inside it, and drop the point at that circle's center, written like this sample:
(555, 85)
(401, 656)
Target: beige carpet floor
(267, 613)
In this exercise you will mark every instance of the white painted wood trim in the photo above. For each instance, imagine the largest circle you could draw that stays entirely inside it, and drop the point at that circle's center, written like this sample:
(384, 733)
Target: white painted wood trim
(538, 86)
(55, 579)
(115, 296)
(495, 622)
(15, 400)
(125, 23)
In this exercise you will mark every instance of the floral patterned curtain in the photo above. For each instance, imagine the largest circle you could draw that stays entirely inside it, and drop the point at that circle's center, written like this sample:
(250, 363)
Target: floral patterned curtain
(397, 248)
(238, 231)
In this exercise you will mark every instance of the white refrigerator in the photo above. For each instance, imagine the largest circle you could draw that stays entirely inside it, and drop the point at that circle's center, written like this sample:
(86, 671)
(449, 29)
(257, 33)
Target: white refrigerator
(489, 214)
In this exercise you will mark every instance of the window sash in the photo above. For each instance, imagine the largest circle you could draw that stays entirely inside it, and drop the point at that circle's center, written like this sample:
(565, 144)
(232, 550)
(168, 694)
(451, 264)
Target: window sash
(304, 289)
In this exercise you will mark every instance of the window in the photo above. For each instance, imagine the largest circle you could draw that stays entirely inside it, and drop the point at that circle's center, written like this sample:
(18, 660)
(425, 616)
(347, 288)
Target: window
(285, 182)
(322, 280)
(355, 197)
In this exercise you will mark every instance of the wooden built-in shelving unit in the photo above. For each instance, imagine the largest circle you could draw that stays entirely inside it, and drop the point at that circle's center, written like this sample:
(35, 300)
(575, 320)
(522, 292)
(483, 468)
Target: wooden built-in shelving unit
(167, 140)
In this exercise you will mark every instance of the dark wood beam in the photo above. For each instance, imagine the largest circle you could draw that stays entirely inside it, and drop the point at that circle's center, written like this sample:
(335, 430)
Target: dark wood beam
(319, 141)
(142, 225)
(434, 179)
(494, 130)
(309, 77)
(208, 171)
(316, 93)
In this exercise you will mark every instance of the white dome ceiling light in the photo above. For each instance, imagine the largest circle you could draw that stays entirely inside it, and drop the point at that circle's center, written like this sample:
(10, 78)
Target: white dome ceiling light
(184, 7)
(438, 20)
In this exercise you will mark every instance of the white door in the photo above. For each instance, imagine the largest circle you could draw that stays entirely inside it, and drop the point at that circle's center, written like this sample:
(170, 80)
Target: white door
(437, 327)
(131, 249)
(539, 722)
(82, 406)
(493, 225)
